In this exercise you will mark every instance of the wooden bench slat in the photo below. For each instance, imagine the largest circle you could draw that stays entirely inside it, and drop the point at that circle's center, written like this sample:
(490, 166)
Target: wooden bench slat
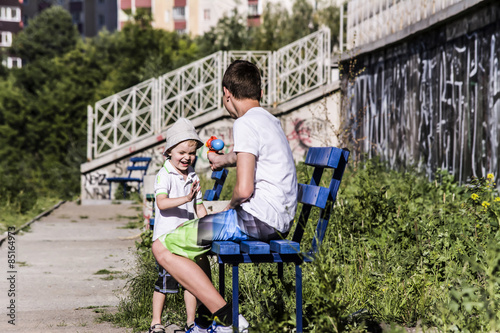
(313, 195)
(209, 195)
(137, 167)
(123, 179)
(255, 247)
(284, 246)
(221, 174)
(225, 247)
(140, 159)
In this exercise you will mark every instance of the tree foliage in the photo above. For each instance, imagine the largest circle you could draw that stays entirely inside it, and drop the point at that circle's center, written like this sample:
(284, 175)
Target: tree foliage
(48, 35)
(43, 105)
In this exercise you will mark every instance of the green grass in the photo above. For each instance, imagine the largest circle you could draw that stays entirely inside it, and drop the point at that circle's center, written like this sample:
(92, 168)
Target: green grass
(400, 251)
(12, 216)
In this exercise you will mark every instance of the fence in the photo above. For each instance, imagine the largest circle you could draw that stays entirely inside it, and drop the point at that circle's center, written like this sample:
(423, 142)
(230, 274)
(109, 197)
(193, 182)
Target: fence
(150, 107)
(368, 21)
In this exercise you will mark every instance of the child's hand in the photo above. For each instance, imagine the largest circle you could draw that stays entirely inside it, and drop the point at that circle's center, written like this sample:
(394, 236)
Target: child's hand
(195, 188)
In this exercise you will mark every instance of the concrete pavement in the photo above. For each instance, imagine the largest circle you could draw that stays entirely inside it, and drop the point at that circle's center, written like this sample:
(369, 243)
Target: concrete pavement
(67, 264)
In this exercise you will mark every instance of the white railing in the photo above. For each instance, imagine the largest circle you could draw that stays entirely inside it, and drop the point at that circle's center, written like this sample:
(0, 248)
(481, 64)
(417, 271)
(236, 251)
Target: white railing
(302, 66)
(190, 91)
(125, 117)
(371, 20)
(149, 108)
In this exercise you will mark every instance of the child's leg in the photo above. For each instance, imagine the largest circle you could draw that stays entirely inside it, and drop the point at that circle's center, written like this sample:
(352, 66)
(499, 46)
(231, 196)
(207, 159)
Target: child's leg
(164, 284)
(190, 301)
(158, 302)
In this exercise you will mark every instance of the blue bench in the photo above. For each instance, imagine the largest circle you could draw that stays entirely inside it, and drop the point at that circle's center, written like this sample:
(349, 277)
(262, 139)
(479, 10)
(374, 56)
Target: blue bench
(139, 165)
(214, 193)
(312, 196)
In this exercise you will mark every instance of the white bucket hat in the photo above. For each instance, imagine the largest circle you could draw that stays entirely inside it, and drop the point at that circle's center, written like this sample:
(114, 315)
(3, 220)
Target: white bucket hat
(181, 130)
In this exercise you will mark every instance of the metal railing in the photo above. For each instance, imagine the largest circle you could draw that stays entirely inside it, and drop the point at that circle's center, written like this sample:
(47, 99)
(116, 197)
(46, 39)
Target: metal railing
(368, 21)
(150, 107)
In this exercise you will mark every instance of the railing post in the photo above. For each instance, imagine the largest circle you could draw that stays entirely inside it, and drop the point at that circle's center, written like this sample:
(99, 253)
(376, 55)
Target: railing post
(341, 29)
(90, 132)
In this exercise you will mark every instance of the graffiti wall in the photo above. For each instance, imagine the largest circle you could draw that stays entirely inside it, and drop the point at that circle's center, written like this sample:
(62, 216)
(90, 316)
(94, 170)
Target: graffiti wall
(315, 124)
(434, 100)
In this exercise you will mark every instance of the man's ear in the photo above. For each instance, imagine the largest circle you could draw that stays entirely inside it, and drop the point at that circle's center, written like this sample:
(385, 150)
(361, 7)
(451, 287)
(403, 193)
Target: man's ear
(261, 93)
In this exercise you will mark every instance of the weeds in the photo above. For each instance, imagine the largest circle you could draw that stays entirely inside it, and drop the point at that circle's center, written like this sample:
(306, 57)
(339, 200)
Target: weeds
(400, 251)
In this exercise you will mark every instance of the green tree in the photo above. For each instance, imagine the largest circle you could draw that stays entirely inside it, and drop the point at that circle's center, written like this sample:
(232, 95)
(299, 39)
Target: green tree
(48, 35)
(271, 35)
(230, 33)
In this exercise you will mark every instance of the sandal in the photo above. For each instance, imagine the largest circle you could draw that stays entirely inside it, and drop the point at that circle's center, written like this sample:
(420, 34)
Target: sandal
(157, 328)
(188, 326)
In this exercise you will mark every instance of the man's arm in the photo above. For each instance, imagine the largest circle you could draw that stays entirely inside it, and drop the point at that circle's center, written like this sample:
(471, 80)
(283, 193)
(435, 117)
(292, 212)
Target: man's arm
(219, 161)
(245, 178)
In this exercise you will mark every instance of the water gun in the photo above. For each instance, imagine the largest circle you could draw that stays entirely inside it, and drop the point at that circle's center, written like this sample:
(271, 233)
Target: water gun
(214, 145)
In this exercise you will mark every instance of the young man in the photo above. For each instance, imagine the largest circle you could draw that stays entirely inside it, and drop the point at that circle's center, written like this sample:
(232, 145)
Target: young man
(263, 203)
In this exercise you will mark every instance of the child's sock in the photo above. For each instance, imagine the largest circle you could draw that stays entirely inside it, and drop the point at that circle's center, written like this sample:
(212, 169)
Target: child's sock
(203, 317)
(224, 315)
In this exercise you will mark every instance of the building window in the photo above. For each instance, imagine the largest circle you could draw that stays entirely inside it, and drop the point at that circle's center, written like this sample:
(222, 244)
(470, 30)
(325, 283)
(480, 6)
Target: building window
(206, 14)
(76, 17)
(179, 13)
(253, 10)
(13, 62)
(11, 14)
(167, 16)
(101, 21)
(6, 38)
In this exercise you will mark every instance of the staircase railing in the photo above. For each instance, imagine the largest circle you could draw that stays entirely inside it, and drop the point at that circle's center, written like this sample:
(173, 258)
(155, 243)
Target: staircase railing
(150, 107)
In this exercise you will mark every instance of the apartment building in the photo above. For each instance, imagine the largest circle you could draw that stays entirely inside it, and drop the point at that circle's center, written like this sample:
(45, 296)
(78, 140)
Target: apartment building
(10, 24)
(89, 16)
(195, 17)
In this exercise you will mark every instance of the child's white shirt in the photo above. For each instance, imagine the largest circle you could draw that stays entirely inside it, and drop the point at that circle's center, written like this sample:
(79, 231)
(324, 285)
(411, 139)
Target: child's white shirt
(170, 182)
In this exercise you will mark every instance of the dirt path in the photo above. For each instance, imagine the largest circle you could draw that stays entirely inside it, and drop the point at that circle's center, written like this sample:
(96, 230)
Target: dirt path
(68, 264)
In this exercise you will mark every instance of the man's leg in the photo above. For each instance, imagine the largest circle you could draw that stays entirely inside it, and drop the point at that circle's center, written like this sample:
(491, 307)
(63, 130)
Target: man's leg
(190, 276)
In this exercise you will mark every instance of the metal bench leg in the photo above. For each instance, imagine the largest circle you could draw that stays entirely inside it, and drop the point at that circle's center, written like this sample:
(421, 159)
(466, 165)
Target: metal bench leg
(281, 303)
(235, 296)
(298, 301)
(110, 191)
(124, 190)
(280, 271)
(222, 282)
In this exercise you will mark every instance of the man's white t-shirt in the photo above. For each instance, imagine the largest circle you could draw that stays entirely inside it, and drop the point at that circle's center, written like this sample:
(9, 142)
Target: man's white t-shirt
(274, 200)
(170, 182)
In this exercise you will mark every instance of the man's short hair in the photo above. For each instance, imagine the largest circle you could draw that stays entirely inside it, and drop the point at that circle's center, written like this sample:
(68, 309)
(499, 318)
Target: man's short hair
(242, 79)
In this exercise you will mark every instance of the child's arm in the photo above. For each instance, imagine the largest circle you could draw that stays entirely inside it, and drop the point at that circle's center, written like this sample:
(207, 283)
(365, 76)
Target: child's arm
(201, 211)
(164, 202)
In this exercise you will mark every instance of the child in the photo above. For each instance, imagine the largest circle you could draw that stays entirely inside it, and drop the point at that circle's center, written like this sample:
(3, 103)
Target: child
(262, 206)
(178, 197)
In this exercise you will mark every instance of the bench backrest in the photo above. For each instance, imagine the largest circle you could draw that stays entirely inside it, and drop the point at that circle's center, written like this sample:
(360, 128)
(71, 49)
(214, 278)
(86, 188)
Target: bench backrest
(139, 164)
(214, 193)
(309, 195)
(314, 195)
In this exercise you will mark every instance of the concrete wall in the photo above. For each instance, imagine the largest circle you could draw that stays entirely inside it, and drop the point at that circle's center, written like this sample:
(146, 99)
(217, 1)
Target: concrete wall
(433, 99)
(314, 122)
